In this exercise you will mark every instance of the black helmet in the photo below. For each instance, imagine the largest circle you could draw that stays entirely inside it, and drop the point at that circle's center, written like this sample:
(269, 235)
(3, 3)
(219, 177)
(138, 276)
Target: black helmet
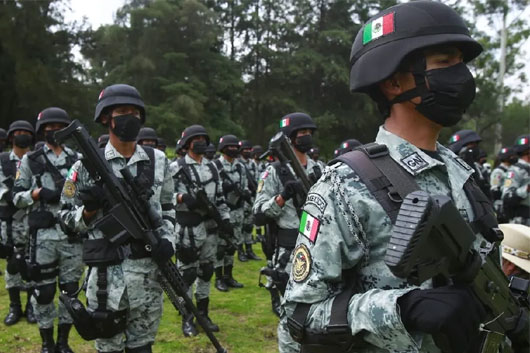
(462, 138)
(160, 142)
(227, 140)
(314, 150)
(505, 153)
(211, 148)
(119, 94)
(192, 131)
(3, 134)
(147, 133)
(102, 140)
(293, 122)
(522, 144)
(257, 151)
(349, 145)
(20, 125)
(179, 146)
(39, 144)
(50, 116)
(387, 38)
(245, 144)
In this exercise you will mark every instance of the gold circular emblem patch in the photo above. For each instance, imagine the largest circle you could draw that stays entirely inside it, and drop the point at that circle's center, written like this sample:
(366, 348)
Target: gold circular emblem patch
(507, 182)
(69, 188)
(301, 263)
(260, 186)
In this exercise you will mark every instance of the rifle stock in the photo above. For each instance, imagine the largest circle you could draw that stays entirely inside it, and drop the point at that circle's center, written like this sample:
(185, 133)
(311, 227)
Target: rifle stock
(431, 238)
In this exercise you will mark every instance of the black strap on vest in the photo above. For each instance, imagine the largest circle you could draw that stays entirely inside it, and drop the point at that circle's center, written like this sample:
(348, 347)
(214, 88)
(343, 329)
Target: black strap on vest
(147, 168)
(102, 294)
(384, 178)
(9, 167)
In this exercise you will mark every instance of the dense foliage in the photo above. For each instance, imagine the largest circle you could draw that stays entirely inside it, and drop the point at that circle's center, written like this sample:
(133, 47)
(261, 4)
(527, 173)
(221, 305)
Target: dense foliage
(235, 66)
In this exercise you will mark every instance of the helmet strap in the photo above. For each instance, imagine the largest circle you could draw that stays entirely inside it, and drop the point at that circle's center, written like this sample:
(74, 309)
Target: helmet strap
(421, 90)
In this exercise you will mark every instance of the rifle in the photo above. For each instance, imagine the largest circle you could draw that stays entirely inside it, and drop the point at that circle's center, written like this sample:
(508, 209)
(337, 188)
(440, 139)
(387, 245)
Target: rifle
(131, 216)
(207, 206)
(281, 148)
(252, 185)
(430, 238)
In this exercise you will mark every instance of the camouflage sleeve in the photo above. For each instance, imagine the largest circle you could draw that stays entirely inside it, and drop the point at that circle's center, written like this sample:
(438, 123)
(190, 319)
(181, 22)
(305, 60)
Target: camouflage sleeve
(332, 239)
(72, 207)
(3, 187)
(496, 179)
(517, 179)
(167, 201)
(220, 201)
(269, 187)
(23, 185)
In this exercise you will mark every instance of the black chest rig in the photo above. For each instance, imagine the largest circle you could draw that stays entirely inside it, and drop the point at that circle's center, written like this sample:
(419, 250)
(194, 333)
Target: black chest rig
(389, 184)
(189, 219)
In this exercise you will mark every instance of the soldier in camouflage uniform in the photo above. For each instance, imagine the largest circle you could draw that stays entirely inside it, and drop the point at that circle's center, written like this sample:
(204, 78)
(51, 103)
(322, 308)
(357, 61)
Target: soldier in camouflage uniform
(38, 186)
(147, 137)
(196, 233)
(14, 231)
(234, 184)
(338, 262)
(275, 200)
(314, 154)
(505, 158)
(210, 152)
(251, 171)
(516, 188)
(120, 281)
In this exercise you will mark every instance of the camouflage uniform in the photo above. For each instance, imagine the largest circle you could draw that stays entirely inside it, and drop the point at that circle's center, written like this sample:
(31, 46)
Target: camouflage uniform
(517, 180)
(52, 244)
(497, 181)
(236, 172)
(352, 236)
(286, 217)
(19, 227)
(204, 234)
(252, 167)
(133, 284)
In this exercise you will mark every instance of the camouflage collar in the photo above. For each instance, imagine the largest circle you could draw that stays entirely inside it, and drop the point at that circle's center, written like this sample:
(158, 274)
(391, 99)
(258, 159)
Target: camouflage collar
(138, 155)
(13, 156)
(190, 160)
(415, 161)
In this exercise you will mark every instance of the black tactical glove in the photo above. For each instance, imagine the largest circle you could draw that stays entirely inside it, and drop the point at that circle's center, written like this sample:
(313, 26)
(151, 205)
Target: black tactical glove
(451, 311)
(227, 228)
(190, 201)
(48, 195)
(93, 198)
(246, 195)
(163, 252)
(290, 189)
(227, 187)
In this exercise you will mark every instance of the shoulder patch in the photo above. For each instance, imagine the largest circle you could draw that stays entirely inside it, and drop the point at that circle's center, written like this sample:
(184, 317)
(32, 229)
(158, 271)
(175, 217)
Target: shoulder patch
(463, 164)
(309, 226)
(301, 263)
(69, 188)
(260, 186)
(317, 201)
(414, 162)
(507, 182)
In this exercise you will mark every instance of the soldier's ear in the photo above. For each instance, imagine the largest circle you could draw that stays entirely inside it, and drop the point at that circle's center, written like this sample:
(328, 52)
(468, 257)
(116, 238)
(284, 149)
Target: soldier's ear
(391, 87)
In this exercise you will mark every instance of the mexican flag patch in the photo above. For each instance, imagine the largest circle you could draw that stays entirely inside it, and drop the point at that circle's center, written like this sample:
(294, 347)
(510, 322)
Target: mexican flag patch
(379, 27)
(309, 226)
(284, 122)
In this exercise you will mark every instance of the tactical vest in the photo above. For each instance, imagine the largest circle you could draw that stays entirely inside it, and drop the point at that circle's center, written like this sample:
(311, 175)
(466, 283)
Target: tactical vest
(389, 184)
(9, 169)
(225, 177)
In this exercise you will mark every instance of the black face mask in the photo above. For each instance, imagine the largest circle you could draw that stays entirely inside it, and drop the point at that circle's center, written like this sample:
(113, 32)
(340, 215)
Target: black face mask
(126, 127)
(209, 155)
(231, 152)
(199, 147)
(469, 154)
(50, 137)
(451, 91)
(23, 141)
(245, 154)
(303, 143)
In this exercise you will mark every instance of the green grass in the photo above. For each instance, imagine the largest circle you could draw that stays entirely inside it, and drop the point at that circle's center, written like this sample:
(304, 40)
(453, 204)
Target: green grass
(244, 316)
